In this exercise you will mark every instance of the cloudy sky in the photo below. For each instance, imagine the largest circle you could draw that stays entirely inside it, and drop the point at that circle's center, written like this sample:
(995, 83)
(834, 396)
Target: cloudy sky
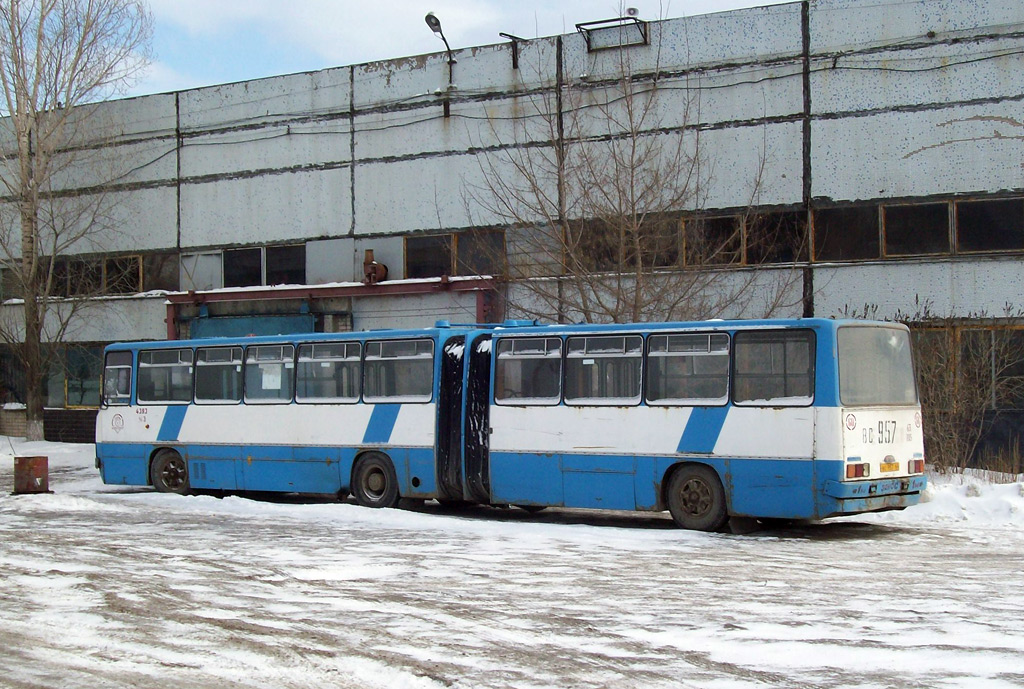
(204, 42)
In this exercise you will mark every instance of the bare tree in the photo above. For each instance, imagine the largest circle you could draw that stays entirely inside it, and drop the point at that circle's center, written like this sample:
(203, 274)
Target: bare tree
(58, 58)
(602, 183)
(966, 375)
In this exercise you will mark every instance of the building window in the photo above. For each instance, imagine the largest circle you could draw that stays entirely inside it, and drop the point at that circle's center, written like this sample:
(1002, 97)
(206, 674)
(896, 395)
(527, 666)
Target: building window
(286, 265)
(160, 272)
(776, 237)
(471, 252)
(916, 230)
(843, 234)
(994, 225)
(479, 253)
(428, 257)
(122, 275)
(713, 241)
(243, 267)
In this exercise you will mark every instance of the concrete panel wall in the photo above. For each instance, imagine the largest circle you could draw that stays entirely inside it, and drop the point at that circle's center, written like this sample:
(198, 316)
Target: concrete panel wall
(894, 154)
(266, 209)
(419, 311)
(841, 25)
(961, 288)
(108, 320)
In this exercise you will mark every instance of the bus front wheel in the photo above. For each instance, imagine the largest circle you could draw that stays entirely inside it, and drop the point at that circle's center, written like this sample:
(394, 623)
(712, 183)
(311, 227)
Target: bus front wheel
(696, 499)
(169, 473)
(374, 483)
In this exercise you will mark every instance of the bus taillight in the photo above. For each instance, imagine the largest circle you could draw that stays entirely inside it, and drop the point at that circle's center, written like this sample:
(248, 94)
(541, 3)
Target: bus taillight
(916, 466)
(858, 470)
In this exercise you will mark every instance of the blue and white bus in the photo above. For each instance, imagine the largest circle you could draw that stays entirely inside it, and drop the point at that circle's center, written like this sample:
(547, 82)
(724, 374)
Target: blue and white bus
(769, 419)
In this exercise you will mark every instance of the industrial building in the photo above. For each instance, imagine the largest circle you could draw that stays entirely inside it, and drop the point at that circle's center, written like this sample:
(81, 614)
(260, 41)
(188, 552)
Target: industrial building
(883, 139)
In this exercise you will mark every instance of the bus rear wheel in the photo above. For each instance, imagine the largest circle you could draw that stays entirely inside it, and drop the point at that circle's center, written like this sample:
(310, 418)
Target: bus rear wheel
(169, 473)
(696, 499)
(374, 483)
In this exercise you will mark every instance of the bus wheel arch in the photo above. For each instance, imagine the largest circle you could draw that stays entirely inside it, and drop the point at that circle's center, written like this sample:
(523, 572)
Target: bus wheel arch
(168, 472)
(374, 480)
(695, 497)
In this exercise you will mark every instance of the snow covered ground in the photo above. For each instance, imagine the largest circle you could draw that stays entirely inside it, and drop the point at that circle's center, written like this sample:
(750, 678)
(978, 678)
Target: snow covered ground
(105, 586)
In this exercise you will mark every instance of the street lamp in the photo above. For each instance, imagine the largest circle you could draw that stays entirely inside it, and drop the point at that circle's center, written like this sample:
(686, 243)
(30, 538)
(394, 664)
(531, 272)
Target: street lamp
(435, 25)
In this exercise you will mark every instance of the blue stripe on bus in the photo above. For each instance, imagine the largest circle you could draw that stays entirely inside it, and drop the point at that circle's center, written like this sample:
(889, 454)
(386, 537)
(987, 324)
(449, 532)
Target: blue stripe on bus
(382, 423)
(171, 425)
(702, 430)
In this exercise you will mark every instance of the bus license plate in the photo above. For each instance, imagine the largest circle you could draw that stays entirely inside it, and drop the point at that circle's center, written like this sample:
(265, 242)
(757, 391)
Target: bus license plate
(890, 466)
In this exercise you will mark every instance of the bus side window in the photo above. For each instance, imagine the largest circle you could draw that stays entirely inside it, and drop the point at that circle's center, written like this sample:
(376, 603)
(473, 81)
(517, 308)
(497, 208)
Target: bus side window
(774, 368)
(603, 369)
(219, 374)
(528, 370)
(398, 371)
(328, 372)
(268, 374)
(117, 378)
(688, 369)
(165, 375)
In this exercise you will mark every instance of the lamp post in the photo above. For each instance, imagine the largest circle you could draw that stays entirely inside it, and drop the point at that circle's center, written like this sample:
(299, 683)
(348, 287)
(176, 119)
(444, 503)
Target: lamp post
(435, 25)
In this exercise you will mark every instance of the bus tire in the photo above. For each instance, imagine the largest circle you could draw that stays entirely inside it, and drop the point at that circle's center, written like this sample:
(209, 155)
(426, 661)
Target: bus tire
(696, 499)
(168, 473)
(374, 482)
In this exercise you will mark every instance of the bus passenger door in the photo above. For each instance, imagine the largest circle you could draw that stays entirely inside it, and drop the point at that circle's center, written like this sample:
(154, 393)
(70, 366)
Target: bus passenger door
(449, 420)
(477, 422)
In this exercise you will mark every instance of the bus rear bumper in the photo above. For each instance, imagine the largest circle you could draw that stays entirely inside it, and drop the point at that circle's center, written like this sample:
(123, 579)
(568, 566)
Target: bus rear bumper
(873, 496)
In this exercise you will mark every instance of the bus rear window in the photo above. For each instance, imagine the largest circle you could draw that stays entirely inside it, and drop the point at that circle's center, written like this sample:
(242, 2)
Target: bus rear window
(875, 366)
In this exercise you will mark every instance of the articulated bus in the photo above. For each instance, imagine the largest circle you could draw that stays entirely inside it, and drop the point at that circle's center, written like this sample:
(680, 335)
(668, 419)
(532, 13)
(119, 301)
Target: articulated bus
(767, 419)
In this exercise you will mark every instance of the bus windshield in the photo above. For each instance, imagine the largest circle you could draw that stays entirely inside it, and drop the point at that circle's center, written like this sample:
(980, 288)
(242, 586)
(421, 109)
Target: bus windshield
(875, 367)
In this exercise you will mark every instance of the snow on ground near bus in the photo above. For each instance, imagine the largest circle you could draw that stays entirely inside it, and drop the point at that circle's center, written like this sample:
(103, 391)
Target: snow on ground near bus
(113, 586)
